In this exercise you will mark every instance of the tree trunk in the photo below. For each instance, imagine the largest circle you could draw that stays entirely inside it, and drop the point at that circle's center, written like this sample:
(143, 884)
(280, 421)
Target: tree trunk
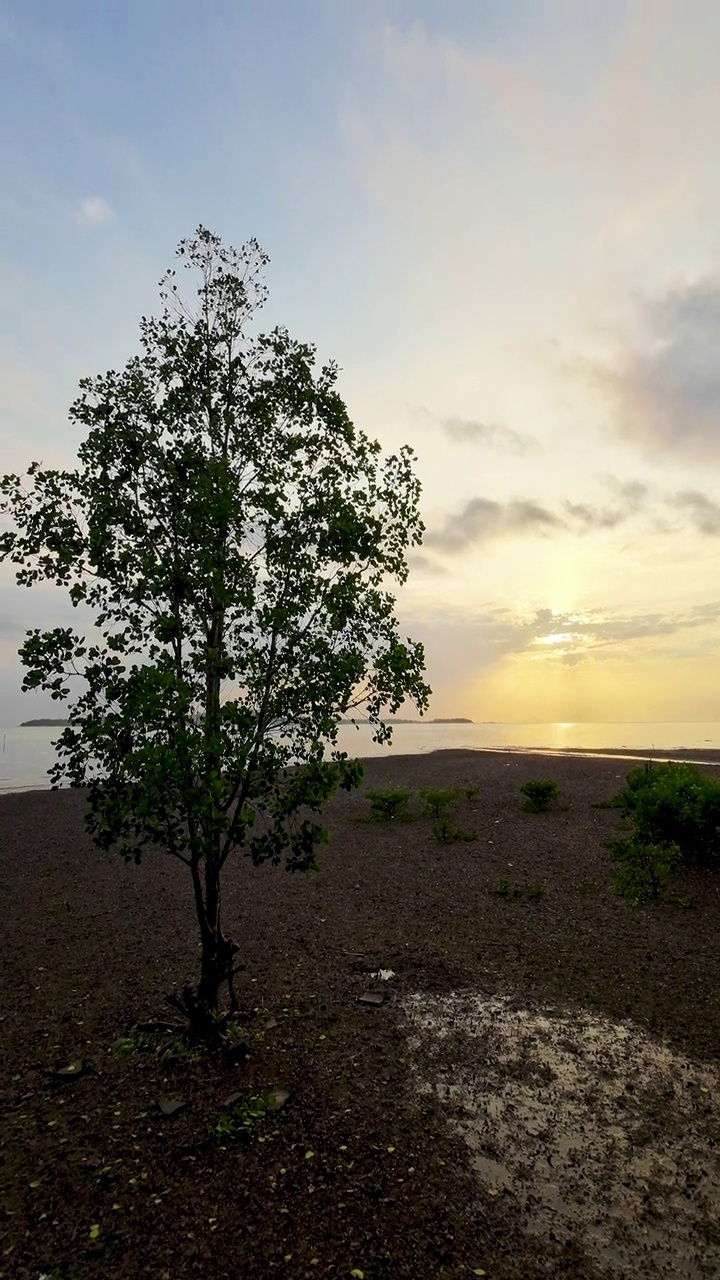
(217, 967)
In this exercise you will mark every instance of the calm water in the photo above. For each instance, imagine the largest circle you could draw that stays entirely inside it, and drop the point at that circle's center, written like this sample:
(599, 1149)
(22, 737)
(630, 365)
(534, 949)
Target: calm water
(26, 754)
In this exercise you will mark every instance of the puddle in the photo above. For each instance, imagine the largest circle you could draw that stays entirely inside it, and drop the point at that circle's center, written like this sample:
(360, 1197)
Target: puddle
(590, 1128)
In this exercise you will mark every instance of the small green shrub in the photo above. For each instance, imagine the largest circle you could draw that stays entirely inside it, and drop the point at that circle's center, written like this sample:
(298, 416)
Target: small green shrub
(681, 900)
(443, 829)
(141, 1040)
(435, 801)
(503, 889)
(643, 868)
(244, 1033)
(389, 805)
(238, 1121)
(586, 887)
(539, 794)
(535, 890)
(674, 804)
(179, 1051)
(235, 1031)
(59, 905)
(446, 832)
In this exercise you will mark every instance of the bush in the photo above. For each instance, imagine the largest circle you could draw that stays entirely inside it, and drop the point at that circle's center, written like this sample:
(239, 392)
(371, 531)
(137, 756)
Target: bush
(390, 804)
(446, 832)
(674, 804)
(443, 829)
(539, 794)
(437, 800)
(644, 868)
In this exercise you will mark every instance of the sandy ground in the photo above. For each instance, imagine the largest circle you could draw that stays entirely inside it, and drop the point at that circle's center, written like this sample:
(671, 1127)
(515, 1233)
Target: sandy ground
(536, 1095)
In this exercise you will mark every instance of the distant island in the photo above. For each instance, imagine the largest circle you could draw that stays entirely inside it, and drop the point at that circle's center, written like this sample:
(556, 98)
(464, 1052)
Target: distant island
(437, 720)
(42, 724)
(451, 720)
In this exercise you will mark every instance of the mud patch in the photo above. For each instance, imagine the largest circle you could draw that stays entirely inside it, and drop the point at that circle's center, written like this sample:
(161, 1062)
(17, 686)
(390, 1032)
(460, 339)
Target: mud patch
(593, 1130)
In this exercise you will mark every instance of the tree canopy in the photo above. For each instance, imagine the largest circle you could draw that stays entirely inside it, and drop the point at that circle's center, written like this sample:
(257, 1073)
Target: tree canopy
(231, 538)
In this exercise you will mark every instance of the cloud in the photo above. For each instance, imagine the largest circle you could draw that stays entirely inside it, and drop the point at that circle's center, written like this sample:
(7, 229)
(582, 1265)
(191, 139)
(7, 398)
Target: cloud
(93, 213)
(629, 500)
(481, 520)
(491, 433)
(665, 387)
(593, 517)
(423, 564)
(570, 637)
(460, 646)
(472, 431)
(703, 512)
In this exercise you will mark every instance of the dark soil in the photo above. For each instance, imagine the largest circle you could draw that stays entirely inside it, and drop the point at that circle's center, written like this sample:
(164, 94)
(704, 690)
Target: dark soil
(358, 1172)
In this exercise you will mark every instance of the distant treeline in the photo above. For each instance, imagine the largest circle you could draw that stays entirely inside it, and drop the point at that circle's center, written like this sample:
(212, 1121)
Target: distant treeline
(42, 724)
(36, 724)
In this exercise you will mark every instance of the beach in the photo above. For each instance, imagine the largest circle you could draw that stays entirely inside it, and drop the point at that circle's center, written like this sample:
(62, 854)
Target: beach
(369, 1166)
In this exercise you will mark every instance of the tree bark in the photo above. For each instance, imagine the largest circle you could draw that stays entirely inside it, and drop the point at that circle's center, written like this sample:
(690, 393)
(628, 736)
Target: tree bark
(217, 966)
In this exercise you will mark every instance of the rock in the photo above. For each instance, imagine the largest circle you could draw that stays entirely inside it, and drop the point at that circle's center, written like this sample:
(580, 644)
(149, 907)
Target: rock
(237, 1052)
(271, 1022)
(371, 997)
(230, 1102)
(68, 1070)
(277, 1097)
(171, 1106)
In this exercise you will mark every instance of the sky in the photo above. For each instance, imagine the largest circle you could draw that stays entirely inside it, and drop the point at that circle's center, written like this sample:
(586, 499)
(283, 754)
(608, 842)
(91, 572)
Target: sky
(501, 219)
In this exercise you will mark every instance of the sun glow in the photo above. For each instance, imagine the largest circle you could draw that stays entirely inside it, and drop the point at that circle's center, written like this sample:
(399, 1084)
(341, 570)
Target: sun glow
(557, 637)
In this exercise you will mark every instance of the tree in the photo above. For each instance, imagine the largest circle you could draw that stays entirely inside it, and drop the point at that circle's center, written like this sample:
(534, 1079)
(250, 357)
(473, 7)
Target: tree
(230, 535)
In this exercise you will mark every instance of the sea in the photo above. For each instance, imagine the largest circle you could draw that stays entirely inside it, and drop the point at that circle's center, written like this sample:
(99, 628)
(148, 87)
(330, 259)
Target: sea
(26, 754)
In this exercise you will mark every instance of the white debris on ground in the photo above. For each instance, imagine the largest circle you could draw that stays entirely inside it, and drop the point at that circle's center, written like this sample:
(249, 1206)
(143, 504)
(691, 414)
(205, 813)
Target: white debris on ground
(591, 1129)
(383, 974)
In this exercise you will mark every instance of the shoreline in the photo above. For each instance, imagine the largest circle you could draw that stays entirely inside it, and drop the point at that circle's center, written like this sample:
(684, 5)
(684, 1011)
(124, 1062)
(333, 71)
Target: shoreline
(691, 755)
